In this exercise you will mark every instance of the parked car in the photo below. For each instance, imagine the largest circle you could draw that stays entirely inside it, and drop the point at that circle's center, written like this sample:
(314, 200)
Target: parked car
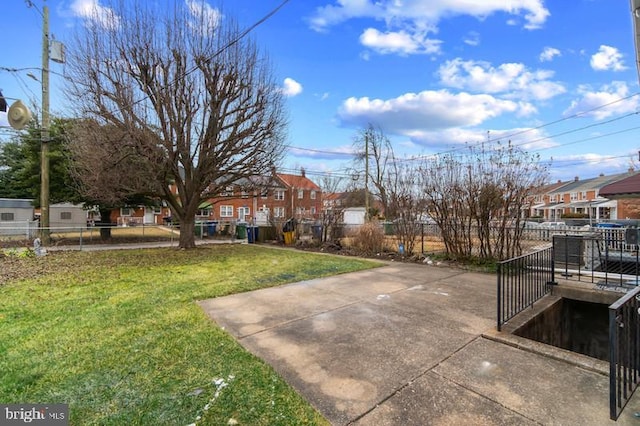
(553, 225)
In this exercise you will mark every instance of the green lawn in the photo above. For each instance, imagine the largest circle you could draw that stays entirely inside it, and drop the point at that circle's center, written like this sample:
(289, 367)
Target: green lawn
(118, 335)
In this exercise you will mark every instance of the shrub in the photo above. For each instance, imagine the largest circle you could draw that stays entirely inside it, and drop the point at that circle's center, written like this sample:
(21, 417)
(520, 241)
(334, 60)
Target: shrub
(369, 238)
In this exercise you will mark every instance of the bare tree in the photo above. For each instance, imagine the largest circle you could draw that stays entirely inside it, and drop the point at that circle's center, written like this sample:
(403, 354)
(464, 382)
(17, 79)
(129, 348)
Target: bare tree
(406, 199)
(477, 197)
(380, 153)
(193, 95)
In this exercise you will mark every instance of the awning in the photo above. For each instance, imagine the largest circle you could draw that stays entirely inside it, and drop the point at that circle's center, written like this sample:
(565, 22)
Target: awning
(538, 206)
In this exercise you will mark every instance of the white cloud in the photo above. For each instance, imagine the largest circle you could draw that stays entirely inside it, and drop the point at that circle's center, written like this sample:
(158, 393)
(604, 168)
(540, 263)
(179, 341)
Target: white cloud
(472, 39)
(92, 11)
(607, 59)
(425, 111)
(205, 16)
(511, 79)
(609, 95)
(588, 165)
(527, 138)
(426, 11)
(291, 87)
(409, 22)
(401, 42)
(549, 53)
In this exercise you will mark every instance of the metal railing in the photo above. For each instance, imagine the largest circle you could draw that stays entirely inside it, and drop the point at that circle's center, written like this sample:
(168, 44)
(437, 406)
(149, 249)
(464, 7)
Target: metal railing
(522, 281)
(600, 256)
(624, 351)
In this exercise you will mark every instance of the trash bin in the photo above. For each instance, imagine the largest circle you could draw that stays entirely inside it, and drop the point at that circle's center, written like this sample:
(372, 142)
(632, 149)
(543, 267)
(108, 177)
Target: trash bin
(211, 228)
(388, 228)
(197, 228)
(252, 234)
(317, 232)
(241, 231)
(288, 237)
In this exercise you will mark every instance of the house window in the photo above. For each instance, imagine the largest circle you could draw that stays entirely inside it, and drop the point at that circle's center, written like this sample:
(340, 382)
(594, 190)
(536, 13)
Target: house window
(228, 192)
(279, 195)
(226, 211)
(313, 210)
(65, 215)
(6, 216)
(125, 211)
(584, 195)
(204, 212)
(313, 195)
(243, 211)
(552, 198)
(157, 210)
(300, 194)
(264, 193)
(574, 196)
(278, 212)
(245, 194)
(299, 210)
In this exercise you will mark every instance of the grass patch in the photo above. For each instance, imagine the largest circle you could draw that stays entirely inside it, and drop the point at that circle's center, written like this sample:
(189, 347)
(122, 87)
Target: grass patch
(119, 337)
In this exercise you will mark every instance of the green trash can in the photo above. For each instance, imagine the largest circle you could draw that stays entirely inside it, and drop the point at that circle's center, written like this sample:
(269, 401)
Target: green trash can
(241, 231)
(197, 228)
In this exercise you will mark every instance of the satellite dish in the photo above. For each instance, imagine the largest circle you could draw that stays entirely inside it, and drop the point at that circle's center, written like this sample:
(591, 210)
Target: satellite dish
(18, 115)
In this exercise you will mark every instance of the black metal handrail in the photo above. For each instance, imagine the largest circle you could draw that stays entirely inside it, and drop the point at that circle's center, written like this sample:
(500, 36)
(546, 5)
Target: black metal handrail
(522, 281)
(624, 351)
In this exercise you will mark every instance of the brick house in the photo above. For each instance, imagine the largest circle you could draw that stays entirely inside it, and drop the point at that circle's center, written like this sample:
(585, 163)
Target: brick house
(582, 197)
(627, 194)
(270, 199)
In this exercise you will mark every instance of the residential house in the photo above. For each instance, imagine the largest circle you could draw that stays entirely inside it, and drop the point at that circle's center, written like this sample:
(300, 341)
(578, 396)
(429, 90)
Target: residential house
(627, 194)
(265, 199)
(582, 197)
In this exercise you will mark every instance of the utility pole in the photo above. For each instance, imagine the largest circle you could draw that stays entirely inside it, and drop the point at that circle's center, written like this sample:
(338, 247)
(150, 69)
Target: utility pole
(44, 132)
(366, 175)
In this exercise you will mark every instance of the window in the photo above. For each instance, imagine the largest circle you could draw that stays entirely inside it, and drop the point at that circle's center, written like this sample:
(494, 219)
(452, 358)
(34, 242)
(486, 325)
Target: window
(278, 212)
(574, 196)
(157, 210)
(228, 192)
(6, 216)
(300, 210)
(65, 215)
(279, 195)
(552, 198)
(313, 210)
(243, 211)
(226, 211)
(264, 193)
(204, 212)
(245, 194)
(313, 195)
(300, 194)
(584, 195)
(125, 211)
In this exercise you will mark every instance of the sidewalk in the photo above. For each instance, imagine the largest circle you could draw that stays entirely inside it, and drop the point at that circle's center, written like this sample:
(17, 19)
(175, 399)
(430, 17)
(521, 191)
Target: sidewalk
(410, 344)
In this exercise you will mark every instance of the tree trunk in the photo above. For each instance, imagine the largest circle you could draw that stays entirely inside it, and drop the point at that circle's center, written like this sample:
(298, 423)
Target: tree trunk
(187, 233)
(105, 224)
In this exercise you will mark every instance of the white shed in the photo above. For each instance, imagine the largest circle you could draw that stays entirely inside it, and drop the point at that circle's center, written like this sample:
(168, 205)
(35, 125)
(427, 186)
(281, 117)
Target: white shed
(16, 217)
(67, 215)
(353, 215)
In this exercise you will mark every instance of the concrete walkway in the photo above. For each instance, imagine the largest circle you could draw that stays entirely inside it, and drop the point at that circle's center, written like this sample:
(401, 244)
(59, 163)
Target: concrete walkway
(410, 344)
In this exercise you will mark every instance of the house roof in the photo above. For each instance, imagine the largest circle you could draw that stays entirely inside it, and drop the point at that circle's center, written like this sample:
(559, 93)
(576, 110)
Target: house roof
(589, 184)
(298, 182)
(629, 186)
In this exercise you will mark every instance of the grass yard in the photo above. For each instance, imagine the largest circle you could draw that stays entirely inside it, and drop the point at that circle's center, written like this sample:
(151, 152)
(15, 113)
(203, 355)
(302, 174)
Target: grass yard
(119, 337)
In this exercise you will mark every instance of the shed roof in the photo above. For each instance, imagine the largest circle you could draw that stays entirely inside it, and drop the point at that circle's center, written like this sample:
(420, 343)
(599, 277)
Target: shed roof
(16, 203)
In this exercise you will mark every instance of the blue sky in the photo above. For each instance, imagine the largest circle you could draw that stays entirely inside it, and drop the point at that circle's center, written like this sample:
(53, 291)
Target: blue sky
(558, 78)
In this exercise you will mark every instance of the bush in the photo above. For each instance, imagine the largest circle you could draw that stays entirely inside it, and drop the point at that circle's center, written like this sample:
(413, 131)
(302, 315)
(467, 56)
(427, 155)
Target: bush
(369, 238)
